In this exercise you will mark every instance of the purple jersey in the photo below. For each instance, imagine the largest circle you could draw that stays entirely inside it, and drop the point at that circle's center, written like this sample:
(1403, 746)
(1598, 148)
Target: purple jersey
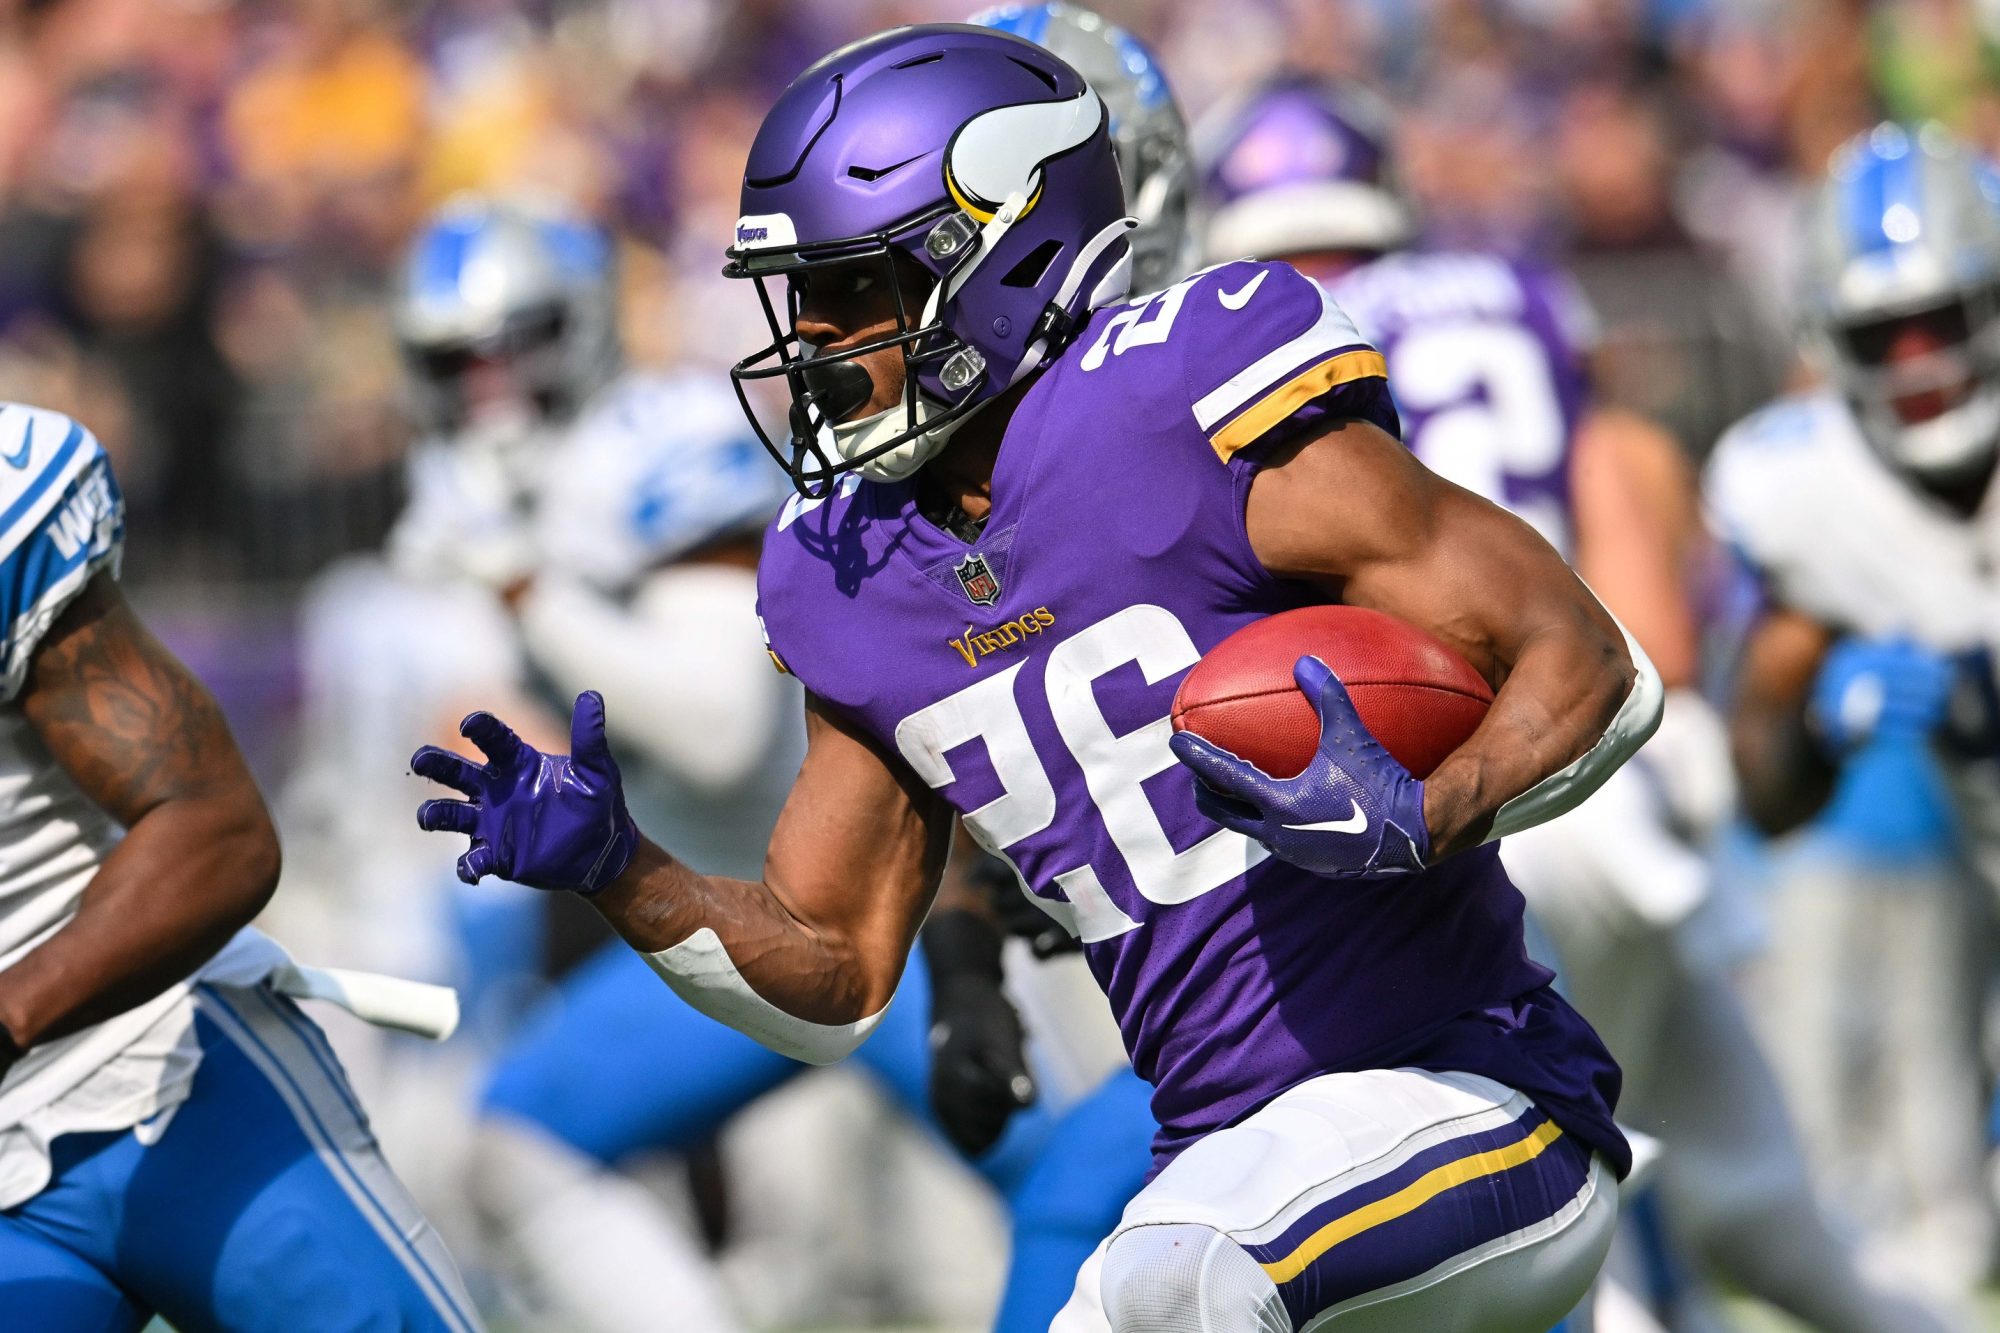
(1028, 678)
(1486, 359)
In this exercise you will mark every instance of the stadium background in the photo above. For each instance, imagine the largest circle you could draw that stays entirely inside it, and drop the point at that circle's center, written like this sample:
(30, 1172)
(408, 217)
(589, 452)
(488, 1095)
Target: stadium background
(202, 204)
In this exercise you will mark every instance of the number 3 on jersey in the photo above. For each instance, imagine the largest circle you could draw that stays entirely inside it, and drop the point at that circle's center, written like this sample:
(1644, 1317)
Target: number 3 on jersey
(1113, 766)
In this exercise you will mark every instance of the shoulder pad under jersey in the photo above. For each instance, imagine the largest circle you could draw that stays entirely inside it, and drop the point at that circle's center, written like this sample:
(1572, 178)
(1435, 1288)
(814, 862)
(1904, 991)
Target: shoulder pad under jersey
(61, 520)
(1259, 344)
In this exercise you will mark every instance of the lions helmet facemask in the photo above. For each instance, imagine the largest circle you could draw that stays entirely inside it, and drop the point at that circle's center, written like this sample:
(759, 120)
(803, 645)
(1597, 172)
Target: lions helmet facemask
(1300, 167)
(1148, 132)
(971, 154)
(490, 285)
(1902, 297)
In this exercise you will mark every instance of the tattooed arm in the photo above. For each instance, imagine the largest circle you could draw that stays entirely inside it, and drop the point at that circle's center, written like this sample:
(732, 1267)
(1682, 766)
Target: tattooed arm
(141, 737)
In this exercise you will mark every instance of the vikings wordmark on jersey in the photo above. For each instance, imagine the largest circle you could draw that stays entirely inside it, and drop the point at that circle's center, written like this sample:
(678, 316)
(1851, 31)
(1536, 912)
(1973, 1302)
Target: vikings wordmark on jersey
(975, 646)
(1118, 529)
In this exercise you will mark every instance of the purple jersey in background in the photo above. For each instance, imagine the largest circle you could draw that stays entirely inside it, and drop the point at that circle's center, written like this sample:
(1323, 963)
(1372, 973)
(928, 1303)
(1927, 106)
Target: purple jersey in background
(1028, 678)
(1485, 357)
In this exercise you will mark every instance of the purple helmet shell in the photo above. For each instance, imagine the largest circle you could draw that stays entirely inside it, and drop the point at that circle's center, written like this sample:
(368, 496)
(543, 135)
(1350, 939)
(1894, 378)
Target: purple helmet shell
(1300, 166)
(979, 156)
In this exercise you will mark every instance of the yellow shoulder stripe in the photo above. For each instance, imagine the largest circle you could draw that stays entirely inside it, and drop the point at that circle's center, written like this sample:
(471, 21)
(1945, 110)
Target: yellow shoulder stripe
(1360, 364)
(1412, 1196)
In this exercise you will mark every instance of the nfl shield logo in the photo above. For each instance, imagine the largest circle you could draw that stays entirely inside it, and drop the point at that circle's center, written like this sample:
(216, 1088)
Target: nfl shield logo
(976, 577)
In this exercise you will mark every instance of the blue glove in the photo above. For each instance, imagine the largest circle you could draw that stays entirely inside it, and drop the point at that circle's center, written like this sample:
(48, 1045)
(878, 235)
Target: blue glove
(1355, 813)
(1870, 688)
(548, 821)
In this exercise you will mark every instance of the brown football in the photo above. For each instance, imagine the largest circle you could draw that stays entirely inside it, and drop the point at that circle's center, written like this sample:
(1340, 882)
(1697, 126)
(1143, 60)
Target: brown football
(1418, 697)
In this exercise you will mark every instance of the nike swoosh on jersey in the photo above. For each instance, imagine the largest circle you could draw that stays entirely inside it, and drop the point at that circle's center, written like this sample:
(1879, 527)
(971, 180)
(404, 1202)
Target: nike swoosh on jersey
(1239, 298)
(1356, 821)
(19, 459)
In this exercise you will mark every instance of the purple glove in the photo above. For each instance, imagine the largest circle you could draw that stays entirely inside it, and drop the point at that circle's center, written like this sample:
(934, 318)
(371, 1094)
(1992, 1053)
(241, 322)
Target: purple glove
(550, 821)
(1355, 813)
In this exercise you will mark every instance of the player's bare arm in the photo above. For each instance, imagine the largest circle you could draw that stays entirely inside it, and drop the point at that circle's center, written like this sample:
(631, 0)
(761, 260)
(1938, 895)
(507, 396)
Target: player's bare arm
(1638, 527)
(1354, 512)
(1785, 776)
(851, 868)
(805, 959)
(141, 737)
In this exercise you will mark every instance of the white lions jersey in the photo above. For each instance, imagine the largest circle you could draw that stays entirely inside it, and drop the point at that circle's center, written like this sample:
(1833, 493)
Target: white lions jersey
(61, 522)
(598, 517)
(657, 467)
(1837, 536)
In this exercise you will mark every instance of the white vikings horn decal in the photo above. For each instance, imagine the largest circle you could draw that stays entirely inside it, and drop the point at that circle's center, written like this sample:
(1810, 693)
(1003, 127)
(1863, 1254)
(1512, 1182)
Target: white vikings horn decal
(1001, 152)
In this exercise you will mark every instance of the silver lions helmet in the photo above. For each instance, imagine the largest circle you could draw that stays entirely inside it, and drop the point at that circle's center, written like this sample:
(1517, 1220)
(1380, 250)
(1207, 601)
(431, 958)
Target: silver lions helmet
(1148, 132)
(1901, 267)
(505, 313)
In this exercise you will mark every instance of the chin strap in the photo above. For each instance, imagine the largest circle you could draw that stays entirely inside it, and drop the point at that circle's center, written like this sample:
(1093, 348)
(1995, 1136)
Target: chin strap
(863, 435)
(1056, 326)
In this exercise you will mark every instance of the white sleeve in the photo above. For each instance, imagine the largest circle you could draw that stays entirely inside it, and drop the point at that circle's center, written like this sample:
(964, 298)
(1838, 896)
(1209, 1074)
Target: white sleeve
(682, 667)
(700, 971)
(1636, 720)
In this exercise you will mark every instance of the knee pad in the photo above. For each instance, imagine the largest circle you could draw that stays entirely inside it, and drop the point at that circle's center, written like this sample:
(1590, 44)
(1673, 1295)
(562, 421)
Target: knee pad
(1183, 1278)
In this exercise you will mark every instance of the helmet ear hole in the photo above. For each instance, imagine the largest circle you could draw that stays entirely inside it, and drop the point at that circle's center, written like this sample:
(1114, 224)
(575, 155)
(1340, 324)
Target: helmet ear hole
(1031, 266)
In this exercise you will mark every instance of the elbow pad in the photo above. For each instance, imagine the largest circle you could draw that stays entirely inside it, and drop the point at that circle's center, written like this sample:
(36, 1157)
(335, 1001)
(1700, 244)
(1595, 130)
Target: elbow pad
(700, 971)
(1562, 792)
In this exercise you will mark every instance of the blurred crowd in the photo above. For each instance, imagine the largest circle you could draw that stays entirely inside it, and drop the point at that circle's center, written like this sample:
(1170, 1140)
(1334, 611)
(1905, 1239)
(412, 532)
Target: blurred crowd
(201, 201)
(204, 205)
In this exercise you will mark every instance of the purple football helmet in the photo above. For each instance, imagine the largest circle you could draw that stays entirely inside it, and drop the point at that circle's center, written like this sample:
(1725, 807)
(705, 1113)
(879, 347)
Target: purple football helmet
(1147, 130)
(1300, 166)
(978, 156)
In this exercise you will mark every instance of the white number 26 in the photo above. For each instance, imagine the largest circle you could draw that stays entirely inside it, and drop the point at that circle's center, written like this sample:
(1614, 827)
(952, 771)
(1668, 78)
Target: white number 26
(1113, 767)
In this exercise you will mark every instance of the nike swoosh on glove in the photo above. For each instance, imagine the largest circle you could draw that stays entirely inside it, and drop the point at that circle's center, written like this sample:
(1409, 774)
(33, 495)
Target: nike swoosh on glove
(549, 821)
(1355, 813)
